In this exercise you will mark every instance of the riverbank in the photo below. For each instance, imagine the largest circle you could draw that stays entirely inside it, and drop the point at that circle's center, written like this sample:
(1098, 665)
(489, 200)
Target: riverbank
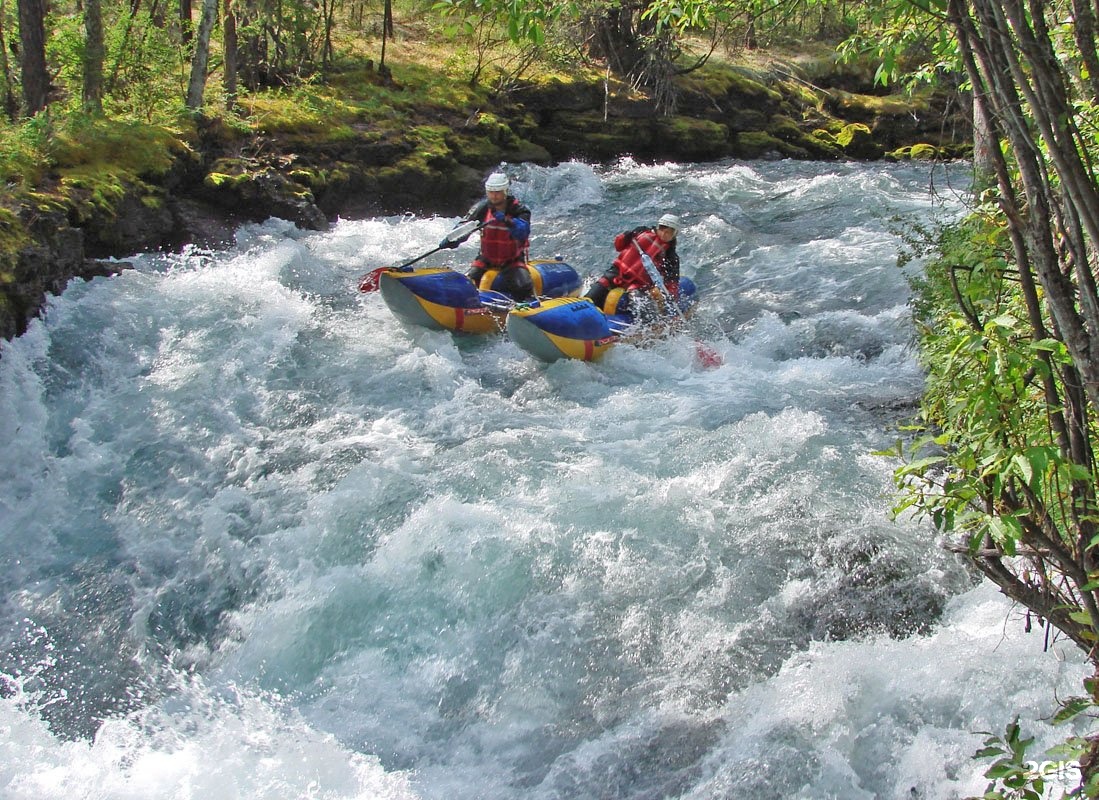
(399, 140)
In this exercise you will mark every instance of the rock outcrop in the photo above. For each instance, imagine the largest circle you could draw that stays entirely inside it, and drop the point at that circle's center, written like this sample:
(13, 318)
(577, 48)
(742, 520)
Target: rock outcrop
(222, 181)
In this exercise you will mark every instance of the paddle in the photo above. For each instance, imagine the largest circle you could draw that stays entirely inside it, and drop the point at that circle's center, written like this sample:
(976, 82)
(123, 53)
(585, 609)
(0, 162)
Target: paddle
(369, 281)
(707, 356)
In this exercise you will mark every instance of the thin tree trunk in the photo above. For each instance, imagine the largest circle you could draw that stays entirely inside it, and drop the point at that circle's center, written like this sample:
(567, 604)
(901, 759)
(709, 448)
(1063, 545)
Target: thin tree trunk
(10, 104)
(1084, 28)
(124, 47)
(984, 144)
(32, 55)
(93, 57)
(328, 8)
(197, 85)
(186, 23)
(1052, 207)
(229, 23)
(1029, 94)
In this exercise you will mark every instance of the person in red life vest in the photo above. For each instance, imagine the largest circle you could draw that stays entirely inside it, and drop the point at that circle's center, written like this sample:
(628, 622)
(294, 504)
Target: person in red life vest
(504, 238)
(628, 271)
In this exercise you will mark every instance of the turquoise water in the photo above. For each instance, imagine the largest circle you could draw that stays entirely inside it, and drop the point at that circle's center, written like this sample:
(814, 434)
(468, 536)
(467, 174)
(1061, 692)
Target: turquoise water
(261, 541)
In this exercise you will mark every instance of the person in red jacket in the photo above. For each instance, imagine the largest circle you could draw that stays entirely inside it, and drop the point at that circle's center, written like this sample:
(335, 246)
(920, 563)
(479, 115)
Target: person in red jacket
(504, 238)
(628, 271)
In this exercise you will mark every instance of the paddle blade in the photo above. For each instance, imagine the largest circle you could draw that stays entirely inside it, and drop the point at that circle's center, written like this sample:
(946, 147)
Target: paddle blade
(369, 281)
(708, 357)
(464, 231)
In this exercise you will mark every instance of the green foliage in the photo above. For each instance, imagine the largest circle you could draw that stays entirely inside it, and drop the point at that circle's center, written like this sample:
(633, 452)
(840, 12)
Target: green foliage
(1010, 774)
(908, 39)
(132, 148)
(992, 435)
(145, 69)
(301, 110)
(523, 21)
(1018, 774)
(39, 147)
(765, 21)
(23, 151)
(65, 50)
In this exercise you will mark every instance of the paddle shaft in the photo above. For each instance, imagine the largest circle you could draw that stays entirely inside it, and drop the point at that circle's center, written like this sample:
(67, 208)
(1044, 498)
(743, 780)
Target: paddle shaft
(369, 281)
(706, 355)
(658, 280)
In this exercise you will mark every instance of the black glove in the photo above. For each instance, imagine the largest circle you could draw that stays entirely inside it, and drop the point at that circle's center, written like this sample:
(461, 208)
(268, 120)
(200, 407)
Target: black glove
(447, 244)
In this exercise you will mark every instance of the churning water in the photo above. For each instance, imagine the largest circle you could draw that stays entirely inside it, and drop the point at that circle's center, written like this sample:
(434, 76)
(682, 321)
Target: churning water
(258, 540)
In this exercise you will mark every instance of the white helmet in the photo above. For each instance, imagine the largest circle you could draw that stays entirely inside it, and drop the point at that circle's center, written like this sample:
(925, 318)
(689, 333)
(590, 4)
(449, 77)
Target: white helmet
(670, 221)
(497, 182)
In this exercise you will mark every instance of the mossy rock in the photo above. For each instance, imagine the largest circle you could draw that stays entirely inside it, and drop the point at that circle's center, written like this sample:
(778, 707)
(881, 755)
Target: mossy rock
(746, 119)
(724, 91)
(433, 146)
(690, 138)
(857, 142)
(92, 190)
(803, 95)
(783, 127)
(473, 149)
(526, 151)
(560, 94)
(314, 178)
(13, 237)
(227, 173)
(740, 82)
(480, 151)
(413, 184)
(824, 143)
(491, 127)
(869, 108)
(568, 133)
(760, 144)
(916, 152)
(924, 152)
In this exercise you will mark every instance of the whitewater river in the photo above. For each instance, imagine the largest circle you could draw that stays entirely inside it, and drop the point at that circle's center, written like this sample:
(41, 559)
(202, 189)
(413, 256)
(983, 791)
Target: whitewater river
(258, 540)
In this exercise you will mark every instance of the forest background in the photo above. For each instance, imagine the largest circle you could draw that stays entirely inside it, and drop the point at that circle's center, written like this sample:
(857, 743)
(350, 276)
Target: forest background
(139, 124)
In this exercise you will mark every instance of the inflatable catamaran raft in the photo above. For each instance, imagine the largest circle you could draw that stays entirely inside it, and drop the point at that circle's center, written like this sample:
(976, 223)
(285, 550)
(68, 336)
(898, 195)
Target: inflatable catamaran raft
(556, 325)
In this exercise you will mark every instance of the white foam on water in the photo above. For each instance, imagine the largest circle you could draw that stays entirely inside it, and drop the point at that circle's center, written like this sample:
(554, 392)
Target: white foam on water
(391, 562)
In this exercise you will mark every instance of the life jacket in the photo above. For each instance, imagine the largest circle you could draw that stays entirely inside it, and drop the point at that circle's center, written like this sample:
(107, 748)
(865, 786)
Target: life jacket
(498, 249)
(631, 272)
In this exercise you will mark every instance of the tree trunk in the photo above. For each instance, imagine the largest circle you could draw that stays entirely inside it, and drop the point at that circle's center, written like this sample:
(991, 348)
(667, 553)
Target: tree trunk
(127, 30)
(32, 55)
(93, 57)
(10, 104)
(197, 85)
(229, 24)
(249, 45)
(984, 140)
(1023, 96)
(186, 25)
(328, 8)
(636, 50)
(1084, 29)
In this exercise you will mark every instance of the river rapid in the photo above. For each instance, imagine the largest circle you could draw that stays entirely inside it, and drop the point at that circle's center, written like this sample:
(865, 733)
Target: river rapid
(258, 540)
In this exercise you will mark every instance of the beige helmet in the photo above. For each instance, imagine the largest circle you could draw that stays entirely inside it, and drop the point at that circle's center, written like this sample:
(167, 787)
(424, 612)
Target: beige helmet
(670, 221)
(497, 182)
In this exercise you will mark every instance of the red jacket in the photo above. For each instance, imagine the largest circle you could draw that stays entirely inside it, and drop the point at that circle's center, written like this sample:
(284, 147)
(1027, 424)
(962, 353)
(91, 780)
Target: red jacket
(498, 248)
(631, 272)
